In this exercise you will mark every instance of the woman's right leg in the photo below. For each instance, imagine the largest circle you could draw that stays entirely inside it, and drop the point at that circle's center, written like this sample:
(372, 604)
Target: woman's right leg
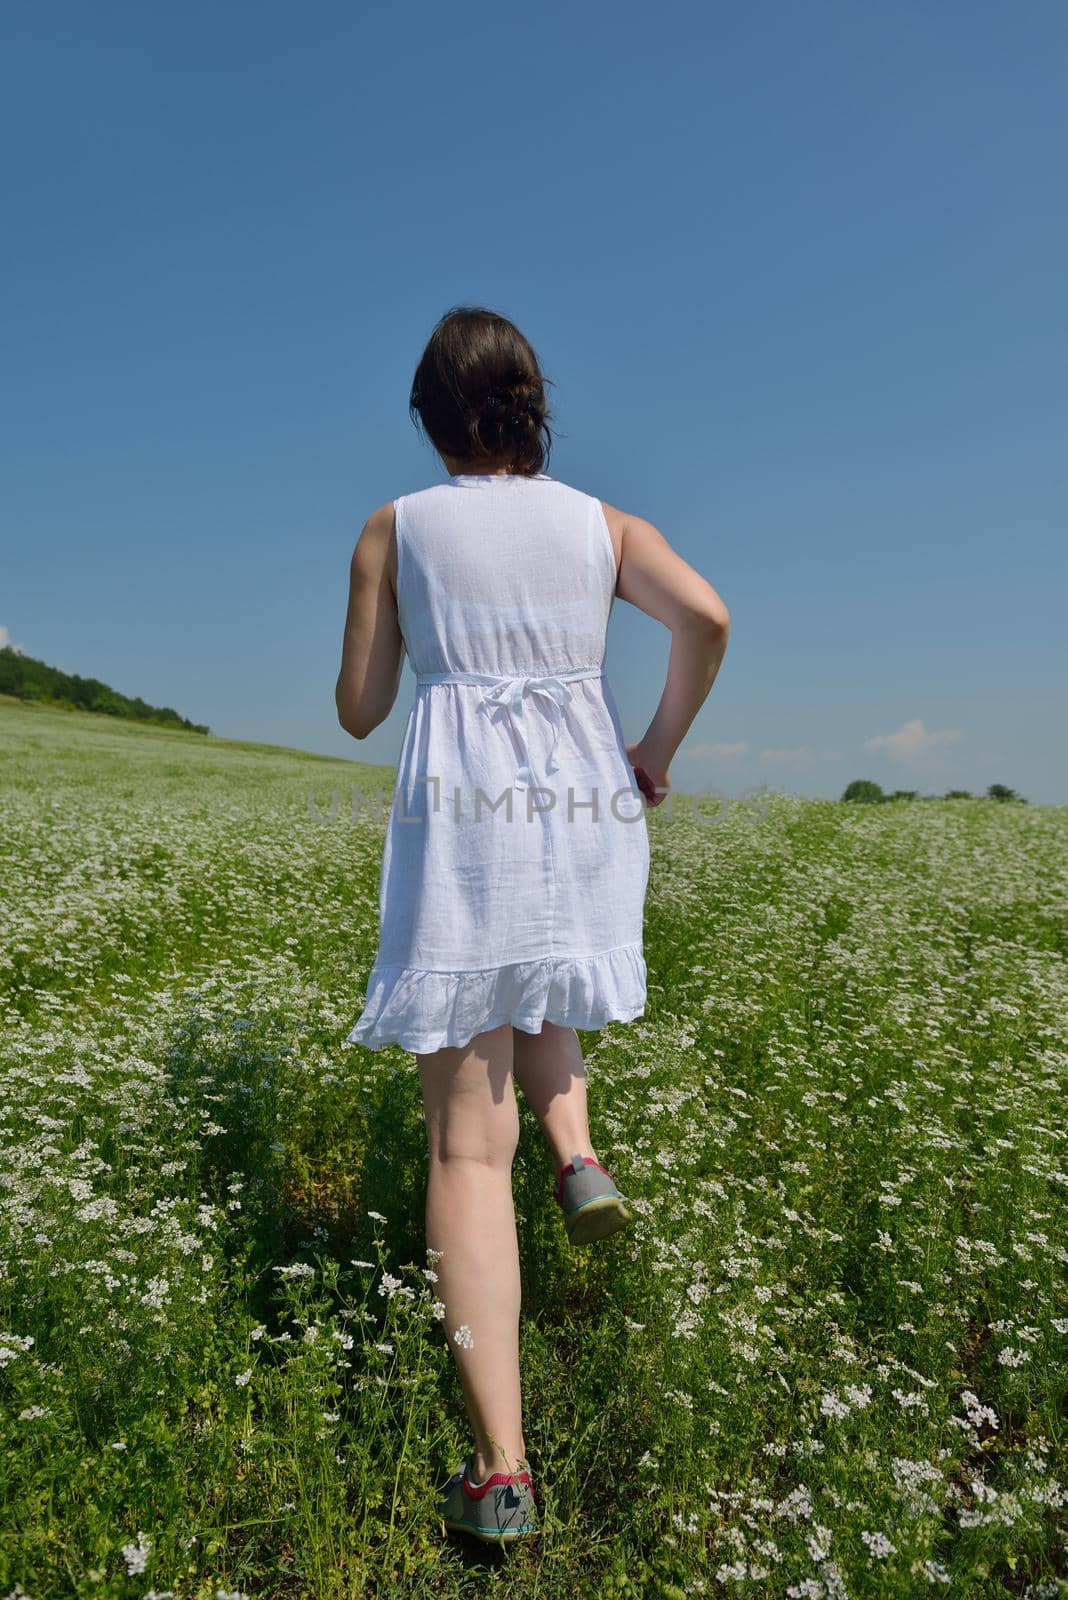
(549, 1068)
(472, 1124)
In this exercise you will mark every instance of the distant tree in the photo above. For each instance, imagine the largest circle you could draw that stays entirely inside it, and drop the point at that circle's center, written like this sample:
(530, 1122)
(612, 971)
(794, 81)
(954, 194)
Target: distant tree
(902, 794)
(958, 794)
(998, 791)
(28, 679)
(104, 701)
(863, 792)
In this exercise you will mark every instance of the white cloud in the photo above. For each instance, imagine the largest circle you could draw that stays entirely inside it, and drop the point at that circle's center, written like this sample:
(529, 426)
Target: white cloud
(912, 741)
(6, 639)
(695, 750)
(800, 756)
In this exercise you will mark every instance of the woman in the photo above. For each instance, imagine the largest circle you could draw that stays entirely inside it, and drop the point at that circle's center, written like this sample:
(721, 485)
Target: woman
(505, 926)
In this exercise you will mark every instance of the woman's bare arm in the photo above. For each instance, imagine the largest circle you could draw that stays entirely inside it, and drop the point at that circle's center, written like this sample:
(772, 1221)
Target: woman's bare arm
(659, 582)
(372, 651)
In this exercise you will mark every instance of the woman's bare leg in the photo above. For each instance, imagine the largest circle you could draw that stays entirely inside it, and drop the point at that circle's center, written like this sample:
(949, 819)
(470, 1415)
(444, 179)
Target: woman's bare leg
(472, 1131)
(550, 1071)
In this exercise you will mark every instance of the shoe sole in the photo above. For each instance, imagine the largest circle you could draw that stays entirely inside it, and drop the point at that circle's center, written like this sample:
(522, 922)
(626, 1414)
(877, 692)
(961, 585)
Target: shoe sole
(597, 1219)
(488, 1537)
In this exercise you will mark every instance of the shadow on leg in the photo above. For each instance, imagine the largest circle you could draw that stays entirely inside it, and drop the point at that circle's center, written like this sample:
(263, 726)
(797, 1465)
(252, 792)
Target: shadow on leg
(552, 1075)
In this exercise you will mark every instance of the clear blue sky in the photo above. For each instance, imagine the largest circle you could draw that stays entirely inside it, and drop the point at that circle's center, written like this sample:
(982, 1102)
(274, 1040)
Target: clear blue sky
(798, 272)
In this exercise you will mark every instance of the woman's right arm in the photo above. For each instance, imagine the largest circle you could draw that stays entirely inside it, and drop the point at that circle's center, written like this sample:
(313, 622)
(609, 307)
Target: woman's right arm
(659, 582)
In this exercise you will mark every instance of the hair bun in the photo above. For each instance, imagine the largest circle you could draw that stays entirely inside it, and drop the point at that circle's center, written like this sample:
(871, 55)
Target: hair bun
(519, 409)
(507, 396)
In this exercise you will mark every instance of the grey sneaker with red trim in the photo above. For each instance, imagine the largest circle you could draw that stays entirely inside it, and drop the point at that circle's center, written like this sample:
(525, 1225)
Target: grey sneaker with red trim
(497, 1511)
(592, 1205)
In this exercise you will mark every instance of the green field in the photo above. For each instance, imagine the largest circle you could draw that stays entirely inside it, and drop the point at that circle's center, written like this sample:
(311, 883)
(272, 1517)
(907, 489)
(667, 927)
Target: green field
(830, 1359)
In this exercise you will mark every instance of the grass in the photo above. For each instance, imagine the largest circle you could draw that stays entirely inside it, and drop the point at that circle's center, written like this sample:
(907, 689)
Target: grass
(828, 1361)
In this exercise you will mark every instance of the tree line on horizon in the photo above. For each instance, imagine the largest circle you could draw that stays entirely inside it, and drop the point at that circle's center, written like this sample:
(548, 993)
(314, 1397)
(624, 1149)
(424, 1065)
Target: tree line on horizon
(862, 791)
(26, 678)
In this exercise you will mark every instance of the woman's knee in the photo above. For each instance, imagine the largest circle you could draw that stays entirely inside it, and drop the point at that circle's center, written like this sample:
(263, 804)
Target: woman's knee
(455, 1139)
(474, 1162)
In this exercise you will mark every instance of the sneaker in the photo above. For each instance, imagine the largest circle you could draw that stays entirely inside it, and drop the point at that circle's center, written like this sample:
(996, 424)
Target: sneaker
(497, 1511)
(592, 1205)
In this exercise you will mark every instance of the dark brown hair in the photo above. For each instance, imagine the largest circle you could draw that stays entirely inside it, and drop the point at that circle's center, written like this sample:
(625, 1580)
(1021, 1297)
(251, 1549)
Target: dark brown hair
(480, 394)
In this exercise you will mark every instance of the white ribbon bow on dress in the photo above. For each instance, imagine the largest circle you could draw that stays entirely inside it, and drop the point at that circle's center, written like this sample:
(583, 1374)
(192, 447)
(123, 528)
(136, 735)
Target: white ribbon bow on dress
(510, 693)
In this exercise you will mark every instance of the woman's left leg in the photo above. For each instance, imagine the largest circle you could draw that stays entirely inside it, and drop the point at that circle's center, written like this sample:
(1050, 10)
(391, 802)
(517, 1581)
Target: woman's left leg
(472, 1121)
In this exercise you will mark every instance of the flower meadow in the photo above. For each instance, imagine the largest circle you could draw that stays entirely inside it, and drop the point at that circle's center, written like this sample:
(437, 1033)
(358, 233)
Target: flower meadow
(827, 1363)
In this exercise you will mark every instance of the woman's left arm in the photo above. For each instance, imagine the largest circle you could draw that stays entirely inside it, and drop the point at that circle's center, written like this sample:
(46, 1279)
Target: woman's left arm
(372, 651)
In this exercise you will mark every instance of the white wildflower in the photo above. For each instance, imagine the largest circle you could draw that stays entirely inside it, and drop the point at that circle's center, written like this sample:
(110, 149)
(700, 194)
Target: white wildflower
(136, 1555)
(878, 1544)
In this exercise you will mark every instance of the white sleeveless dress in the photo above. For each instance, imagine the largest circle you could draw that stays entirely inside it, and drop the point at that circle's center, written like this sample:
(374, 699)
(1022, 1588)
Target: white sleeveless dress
(516, 856)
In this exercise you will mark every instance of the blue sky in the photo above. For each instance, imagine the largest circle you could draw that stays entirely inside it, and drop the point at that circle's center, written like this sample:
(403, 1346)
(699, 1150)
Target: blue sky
(797, 272)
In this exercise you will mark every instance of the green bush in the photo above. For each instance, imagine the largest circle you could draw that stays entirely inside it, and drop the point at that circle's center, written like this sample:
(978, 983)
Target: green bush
(863, 792)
